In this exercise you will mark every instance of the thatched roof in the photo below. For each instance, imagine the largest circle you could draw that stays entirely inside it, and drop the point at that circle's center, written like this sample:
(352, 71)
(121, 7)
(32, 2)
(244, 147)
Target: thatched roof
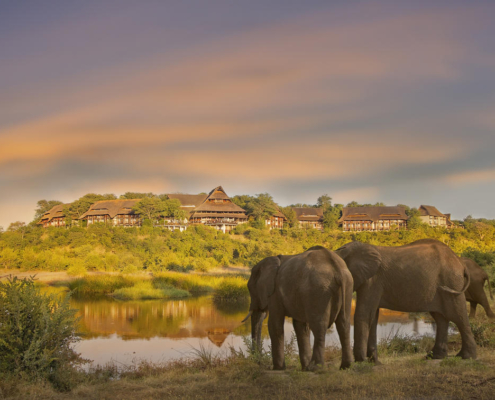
(373, 213)
(111, 208)
(54, 212)
(212, 203)
(429, 210)
(188, 201)
(308, 213)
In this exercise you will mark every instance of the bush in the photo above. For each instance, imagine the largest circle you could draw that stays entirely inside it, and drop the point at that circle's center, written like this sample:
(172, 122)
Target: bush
(36, 332)
(77, 268)
(232, 289)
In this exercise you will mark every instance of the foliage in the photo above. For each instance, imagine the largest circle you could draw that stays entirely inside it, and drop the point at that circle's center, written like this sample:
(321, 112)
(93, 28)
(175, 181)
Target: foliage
(154, 208)
(145, 290)
(231, 289)
(77, 208)
(43, 206)
(36, 331)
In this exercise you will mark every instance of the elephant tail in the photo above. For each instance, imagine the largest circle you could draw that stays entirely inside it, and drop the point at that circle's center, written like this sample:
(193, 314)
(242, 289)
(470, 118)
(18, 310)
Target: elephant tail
(466, 285)
(490, 288)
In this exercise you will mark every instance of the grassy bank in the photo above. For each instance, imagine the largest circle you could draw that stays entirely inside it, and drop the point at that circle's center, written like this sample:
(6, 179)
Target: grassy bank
(405, 373)
(161, 285)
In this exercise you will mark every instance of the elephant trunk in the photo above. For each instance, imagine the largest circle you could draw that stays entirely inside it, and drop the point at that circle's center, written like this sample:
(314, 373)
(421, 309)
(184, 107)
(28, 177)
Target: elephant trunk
(257, 318)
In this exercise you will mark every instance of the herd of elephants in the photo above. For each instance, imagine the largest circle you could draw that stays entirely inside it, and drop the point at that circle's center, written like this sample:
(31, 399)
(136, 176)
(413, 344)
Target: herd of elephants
(315, 288)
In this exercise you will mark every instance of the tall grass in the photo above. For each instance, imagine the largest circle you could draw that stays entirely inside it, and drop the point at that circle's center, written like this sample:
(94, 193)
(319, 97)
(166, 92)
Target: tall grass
(229, 287)
(99, 284)
(161, 285)
(146, 290)
(233, 288)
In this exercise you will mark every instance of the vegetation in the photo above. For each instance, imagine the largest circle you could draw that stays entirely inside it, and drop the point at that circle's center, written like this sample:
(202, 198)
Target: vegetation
(201, 248)
(36, 333)
(146, 290)
(159, 286)
(405, 373)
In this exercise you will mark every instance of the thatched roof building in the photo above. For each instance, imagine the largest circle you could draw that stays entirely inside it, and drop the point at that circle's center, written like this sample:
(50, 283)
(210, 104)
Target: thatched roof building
(219, 211)
(431, 216)
(54, 217)
(118, 212)
(373, 218)
(310, 217)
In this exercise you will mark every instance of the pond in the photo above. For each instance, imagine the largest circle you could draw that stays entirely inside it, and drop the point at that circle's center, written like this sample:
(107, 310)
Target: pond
(164, 330)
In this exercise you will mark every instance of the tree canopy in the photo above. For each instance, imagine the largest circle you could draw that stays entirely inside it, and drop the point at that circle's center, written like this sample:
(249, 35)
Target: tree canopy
(43, 206)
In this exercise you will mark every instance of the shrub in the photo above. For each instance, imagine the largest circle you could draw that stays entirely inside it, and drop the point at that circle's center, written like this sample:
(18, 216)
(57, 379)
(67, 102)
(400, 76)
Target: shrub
(36, 331)
(77, 268)
(234, 288)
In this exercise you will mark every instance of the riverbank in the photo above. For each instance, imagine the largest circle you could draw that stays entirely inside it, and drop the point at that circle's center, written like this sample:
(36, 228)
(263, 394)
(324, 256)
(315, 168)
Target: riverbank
(402, 375)
(230, 284)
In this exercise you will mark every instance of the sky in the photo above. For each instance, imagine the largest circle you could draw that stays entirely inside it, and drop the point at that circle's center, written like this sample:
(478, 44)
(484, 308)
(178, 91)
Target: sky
(389, 101)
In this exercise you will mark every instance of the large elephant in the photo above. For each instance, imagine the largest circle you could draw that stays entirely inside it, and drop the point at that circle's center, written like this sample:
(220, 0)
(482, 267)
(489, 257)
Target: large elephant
(423, 276)
(475, 293)
(315, 289)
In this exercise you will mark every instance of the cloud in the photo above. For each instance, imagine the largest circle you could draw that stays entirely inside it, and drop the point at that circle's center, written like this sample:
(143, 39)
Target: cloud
(471, 177)
(351, 95)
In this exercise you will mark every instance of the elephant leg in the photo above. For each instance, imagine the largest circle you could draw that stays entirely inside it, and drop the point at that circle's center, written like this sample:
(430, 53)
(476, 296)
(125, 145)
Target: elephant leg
(343, 325)
(366, 309)
(372, 351)
(276, 330)
(458, 315)
(440, 349)
(303, 342)
(486, 305)
(319, 330)
(472, 312)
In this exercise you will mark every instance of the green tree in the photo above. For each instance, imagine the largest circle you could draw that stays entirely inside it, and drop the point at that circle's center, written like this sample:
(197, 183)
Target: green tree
(261, 206)
(324, 202)
(242, 200)
(9, 258)
(44, 206)
(16, 226)
(291, 216)
(135, 195)
(154, 208)
(332, 215)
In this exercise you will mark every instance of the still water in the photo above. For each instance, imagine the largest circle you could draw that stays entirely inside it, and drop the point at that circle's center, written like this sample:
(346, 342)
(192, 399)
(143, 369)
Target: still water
(163, 330)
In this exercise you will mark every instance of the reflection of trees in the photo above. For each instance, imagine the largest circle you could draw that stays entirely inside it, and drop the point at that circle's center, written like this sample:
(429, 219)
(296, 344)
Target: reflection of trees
(193, 317)
(226, 307)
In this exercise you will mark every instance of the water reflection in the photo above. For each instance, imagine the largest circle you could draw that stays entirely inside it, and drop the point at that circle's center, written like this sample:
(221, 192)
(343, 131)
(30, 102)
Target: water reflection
(162, 330)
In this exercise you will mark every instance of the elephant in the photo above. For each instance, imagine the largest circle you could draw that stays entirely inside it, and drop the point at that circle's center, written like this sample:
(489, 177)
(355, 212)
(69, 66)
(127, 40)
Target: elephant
(423, 276)
(475, 293)
(315, 289)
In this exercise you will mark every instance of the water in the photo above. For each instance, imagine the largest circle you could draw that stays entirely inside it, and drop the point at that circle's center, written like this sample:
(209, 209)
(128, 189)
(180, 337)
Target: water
(158, 330)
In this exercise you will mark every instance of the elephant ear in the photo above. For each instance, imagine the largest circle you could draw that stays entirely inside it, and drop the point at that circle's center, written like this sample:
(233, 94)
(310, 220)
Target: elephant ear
(363, 261)
(262, 282)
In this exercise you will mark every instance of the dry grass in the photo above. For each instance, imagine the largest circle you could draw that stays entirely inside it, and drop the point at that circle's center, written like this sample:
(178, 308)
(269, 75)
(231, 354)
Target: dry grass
(405, 373)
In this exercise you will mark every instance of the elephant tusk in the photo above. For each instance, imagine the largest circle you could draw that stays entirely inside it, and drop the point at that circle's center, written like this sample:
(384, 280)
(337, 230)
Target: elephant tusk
(247, 316)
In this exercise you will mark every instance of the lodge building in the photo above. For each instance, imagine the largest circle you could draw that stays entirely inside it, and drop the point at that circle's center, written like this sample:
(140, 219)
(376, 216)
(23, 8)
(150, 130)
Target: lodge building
(54, 217)
(115, 212)
(309, 217)
(431, 216)
(276, 221)
(218, 210)
(373, 218)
